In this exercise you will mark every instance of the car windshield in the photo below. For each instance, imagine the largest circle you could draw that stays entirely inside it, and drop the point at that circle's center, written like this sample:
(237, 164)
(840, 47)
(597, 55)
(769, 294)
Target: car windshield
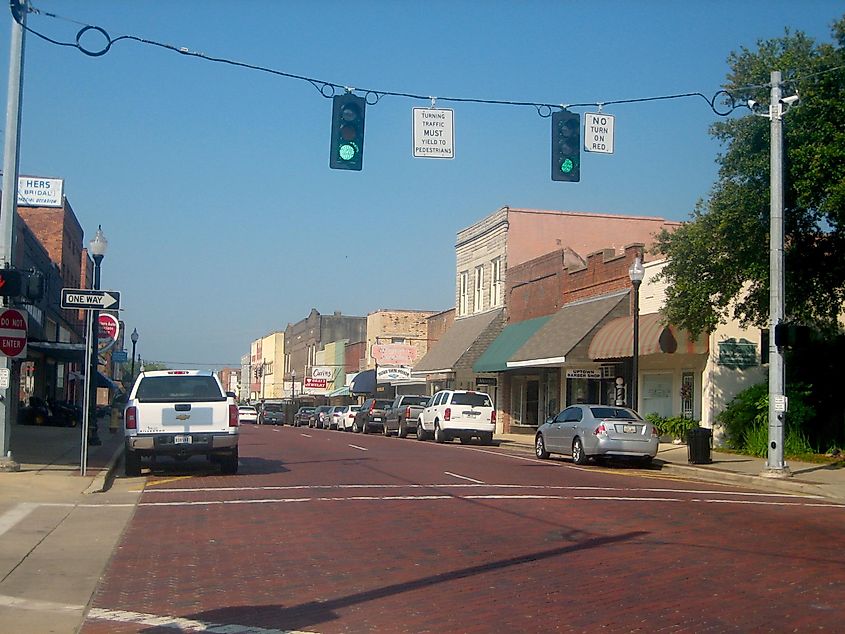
(184, 388)
(614, 412)
(474, 399)
(414, 400)
(247, 410)
(272, 407)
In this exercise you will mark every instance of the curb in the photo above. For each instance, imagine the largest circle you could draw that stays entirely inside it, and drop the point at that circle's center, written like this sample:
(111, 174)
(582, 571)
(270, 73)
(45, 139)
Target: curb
(98, 484)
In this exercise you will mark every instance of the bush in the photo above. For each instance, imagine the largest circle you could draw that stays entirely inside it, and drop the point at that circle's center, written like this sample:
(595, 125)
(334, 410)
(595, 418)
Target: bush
(746, 420)
(674, 426)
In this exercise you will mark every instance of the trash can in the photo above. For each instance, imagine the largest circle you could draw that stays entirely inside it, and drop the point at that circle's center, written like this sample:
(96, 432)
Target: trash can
(698, 445)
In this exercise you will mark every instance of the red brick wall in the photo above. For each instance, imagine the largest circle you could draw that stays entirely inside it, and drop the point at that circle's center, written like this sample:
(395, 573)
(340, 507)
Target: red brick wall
(604, 273)
(438, 324)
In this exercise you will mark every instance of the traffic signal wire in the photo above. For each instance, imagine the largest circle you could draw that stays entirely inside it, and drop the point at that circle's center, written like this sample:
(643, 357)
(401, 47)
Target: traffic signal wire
(722, 102)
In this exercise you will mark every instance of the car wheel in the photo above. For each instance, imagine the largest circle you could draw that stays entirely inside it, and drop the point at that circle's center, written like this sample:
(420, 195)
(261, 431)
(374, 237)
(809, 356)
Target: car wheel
(355, 429)
(578, 455)
(646, 461)
(132, 464)
(365, 427)
(487, 438)
(465, 440)
(402, 432)
(439, 436)
(420, 432)
(229, 464)
(385, 429)
(540, 447)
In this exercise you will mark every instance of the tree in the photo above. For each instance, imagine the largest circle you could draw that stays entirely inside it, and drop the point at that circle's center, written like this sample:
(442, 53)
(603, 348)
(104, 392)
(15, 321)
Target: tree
(718, 261)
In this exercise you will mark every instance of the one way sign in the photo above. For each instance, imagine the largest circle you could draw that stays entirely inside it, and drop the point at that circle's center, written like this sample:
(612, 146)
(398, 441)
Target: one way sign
(93, 300)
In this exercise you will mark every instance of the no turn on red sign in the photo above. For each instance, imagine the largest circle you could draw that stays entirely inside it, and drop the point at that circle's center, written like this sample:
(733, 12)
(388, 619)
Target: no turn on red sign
(13, 333)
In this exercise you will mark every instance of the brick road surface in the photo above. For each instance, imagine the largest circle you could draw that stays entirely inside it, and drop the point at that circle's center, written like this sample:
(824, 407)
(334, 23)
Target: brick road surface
(403, 536)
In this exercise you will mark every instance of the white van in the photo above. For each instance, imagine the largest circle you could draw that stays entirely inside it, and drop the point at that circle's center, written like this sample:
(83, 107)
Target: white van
(457, 414)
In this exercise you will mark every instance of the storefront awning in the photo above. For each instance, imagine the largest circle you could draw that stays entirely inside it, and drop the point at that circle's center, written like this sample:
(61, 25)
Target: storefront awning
(102, 380)
(616, 339)
(59, 350)
(455, 343)
(341, 391)
(363, 383)
(556, 341)
(511, 339)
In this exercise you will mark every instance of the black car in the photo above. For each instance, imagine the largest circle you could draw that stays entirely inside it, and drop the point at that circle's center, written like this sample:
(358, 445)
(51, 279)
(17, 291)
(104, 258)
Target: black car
(302, 415)
(271, 414)
(370, 415)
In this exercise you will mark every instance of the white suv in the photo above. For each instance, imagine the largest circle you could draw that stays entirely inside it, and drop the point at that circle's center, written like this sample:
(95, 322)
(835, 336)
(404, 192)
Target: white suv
(457, 414)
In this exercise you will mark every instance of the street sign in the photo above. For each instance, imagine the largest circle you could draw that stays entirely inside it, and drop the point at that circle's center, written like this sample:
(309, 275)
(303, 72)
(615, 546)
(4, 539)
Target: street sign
(13, 333)
(107, 332)
(598, 132)
(434, 133)
(120, 356)
(91, 300)
(5, 374)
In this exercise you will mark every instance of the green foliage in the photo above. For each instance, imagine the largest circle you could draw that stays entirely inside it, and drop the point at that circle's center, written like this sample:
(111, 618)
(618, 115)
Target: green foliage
(746, 420)
(718, 262)
(674, 426)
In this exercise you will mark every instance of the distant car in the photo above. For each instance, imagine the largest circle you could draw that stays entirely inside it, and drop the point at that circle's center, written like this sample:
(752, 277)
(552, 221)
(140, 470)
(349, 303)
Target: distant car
(301, 416)
(347, 417)
(272, 414)
(401, 416)
(457, 414)
(370, 415)
(587, 431)
(247, 414)
(318, 417)
(332, 417)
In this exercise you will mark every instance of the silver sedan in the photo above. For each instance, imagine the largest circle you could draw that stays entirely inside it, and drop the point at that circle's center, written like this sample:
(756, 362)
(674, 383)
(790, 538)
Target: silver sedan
(585, 431)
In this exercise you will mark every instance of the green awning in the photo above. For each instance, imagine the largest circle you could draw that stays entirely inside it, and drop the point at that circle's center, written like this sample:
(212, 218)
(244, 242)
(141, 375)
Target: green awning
(511, 339)
(341, 391)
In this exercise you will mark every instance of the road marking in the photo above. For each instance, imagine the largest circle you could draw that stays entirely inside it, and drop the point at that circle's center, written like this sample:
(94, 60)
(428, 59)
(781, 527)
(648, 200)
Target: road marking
(166, 480)
(357, 447)
(178, 623)
(455, 475)
(306, 435)
(39, 606)
(15, 515)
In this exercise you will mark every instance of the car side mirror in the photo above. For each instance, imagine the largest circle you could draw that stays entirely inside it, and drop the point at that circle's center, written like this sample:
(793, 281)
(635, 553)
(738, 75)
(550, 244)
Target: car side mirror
(550, 419)
(230, 394)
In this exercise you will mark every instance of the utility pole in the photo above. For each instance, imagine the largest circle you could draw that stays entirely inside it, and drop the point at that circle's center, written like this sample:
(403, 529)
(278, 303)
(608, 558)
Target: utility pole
(8, 207)
(775, 466)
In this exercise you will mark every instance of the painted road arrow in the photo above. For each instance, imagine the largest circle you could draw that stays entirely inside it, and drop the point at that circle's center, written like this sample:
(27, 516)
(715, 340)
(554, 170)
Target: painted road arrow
(87, 299)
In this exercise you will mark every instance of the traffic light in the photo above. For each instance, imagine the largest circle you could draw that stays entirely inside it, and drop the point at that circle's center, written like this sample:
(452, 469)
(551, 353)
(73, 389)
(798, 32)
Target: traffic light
(348, 113)
(34, 286)
(566, 146)
(11, 283)
(789, 335)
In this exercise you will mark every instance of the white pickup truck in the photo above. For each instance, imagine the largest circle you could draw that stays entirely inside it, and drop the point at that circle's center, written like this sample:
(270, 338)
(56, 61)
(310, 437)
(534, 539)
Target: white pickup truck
(180, 413)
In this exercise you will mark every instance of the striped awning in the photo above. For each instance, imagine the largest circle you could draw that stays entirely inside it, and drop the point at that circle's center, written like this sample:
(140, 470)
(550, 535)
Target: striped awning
(616, 339)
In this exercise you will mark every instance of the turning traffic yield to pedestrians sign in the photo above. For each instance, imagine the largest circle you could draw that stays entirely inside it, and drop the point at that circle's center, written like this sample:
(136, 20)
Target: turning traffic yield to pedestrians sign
(92, 300)
(13, 333)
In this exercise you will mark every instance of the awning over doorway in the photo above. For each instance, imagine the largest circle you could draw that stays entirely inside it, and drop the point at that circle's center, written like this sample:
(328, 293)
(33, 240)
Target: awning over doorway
(341, 391)
(102, 380)
(511, 339)
(455, 343)
(616, 339)
(363, 383)
(58, 350)
(555, 342)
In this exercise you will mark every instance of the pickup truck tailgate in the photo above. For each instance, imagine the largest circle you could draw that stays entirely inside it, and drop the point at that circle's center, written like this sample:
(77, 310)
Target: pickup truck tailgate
(175, 417)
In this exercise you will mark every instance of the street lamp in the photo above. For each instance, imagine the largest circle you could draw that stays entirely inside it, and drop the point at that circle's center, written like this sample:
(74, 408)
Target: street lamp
(636, 273)
(97, 247)
(134, 337)
(292, 384)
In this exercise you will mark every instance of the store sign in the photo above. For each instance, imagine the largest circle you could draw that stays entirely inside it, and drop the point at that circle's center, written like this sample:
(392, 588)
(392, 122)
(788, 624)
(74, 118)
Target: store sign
(322, 373)
(583, 373)
(737, 353)
(315, 383)
(395, 354)
(40, 192)
(392, 374)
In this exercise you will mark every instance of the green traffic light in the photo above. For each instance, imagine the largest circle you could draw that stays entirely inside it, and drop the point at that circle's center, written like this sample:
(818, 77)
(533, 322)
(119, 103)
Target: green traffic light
(567, 166)
(347, 151)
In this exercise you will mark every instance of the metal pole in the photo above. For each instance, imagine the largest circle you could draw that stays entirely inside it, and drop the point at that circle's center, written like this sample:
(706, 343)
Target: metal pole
(775, 465)
(8, 210)
(86, 410)
(132, 372)
(95, 353)
(636, 355)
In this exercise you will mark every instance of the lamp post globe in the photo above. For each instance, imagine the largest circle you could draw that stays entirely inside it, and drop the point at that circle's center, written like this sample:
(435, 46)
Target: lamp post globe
(636, 273)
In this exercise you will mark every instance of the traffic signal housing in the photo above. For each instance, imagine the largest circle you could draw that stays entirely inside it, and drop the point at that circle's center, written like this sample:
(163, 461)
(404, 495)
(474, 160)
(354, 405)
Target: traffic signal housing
(347, 151)
(11, 283)
(566, 146)
(790, 335)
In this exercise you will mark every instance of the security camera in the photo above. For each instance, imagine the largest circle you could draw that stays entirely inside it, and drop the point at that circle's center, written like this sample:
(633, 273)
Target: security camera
(790, 101)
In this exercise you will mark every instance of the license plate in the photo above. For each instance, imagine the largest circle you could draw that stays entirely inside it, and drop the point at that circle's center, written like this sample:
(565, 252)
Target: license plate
(471, 413)
(376, 419)
(629, 429)
(182, 440)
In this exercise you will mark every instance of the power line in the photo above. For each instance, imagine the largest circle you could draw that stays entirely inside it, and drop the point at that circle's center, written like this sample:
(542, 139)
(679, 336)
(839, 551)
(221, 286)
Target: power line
(722, 102)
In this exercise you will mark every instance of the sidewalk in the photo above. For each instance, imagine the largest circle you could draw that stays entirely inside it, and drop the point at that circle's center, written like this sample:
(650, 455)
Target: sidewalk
(823, 480)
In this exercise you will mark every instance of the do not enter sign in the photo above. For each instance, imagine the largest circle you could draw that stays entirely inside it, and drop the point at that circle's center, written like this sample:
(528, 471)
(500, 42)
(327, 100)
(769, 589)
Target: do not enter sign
(13, 333)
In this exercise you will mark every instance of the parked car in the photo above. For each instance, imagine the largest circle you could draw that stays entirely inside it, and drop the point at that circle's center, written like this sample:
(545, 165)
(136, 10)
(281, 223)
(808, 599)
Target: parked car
(586, 431)
(457, 414)
(247, 414)
(331, 417)
(347, 417)
(318, 416)
(370, 415)
(271, 414)
(302, 415)
(402, 414)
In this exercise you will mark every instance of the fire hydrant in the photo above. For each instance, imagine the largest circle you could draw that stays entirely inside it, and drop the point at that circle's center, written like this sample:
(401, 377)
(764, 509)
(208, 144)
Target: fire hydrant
(114, 421)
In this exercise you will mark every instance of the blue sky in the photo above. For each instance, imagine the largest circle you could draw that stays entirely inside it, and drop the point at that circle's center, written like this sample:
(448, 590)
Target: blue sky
(212, 182)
